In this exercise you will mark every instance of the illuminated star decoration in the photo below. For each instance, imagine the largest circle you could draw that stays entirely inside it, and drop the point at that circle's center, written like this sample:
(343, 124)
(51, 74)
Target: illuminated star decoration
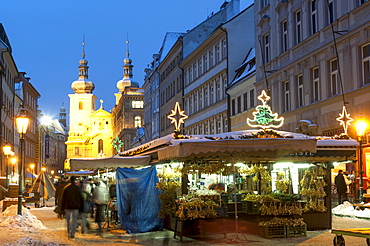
(264, 117)
(177, 116)
(344, 119)
(117, 144)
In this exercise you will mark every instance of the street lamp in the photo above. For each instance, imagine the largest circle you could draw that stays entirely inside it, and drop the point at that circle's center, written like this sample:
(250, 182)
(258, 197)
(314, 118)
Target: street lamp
(7, 151)
(361, 126)
(22, 123)
(32, 166)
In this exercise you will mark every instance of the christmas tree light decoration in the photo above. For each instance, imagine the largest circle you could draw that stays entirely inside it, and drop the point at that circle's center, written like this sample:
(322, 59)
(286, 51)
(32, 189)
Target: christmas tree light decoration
(177, 116)
(264, 117)
(344, 119)
(117, 144)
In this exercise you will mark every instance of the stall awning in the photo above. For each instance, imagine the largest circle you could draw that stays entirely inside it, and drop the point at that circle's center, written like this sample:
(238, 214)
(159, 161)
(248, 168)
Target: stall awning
(264, 147)
(111, 162)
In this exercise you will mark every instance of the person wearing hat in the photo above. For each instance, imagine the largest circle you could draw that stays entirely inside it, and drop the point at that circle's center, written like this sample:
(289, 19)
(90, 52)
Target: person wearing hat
(72, 204)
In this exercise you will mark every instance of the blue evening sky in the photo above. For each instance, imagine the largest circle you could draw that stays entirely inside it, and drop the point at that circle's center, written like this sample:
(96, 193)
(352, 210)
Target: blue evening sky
(46, 37)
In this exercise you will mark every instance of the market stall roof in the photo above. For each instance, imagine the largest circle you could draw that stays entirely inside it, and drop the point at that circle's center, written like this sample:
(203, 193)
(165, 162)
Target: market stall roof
(110, 162)
(248, 143)
(263, 147)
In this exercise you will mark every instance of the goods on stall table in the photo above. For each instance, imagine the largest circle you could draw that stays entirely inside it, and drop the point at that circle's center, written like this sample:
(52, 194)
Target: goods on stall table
(196, 209)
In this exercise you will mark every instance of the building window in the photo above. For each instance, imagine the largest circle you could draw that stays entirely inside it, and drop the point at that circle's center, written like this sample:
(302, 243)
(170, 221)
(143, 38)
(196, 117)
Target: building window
(218, 92)
(233, 107)
(298, 27)
(205, 97)
(245, 101)
(331, 11)
(286, 96)
(266, 44)
(205, 63)
(239, 105)
(334, 77)
(314, 16)
(300, 91)
(251, 98)
(190, 74)
(137, 121)
(224, 49)
(211, 94)
(100, 146)
(137, 104)
(80, 105)
(315, 84)
(195, 102)
(284, 32)
(77, 150)
(218, 54)
(210, 54)
(200, 68)
(264, 3)
(200, 99)
(190, 105)
(366, 63)
(195, 71)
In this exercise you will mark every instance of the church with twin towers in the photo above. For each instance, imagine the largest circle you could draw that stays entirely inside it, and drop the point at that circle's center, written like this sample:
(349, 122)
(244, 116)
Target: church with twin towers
(95, 132)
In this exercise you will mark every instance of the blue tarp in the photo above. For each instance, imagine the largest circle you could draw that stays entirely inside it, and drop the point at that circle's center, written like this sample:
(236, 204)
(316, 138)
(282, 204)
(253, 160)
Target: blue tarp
(137, 199)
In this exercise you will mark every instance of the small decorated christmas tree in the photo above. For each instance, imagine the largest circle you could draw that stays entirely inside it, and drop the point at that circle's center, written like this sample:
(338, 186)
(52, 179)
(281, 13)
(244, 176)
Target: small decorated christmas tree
(264, 117)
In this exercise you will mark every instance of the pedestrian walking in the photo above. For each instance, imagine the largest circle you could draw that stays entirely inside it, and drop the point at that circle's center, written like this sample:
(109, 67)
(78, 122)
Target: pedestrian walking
(58, 197)
(86, 194)
(72, 205)
(100, 199)
(341, 186)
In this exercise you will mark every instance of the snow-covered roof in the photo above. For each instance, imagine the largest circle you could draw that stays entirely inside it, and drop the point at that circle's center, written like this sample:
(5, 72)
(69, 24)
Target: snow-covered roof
(322, 143)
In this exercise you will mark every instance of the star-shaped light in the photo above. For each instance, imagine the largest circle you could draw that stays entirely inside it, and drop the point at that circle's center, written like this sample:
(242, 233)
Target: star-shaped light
(177, 116)
(117, 144)
(344, 119)
(263, 97)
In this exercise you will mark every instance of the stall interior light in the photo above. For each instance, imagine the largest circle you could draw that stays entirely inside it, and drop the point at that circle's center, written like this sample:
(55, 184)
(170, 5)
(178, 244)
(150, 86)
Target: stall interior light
(239, 164)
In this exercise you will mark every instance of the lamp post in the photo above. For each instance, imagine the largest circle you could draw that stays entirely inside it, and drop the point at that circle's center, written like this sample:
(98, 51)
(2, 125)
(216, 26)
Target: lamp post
(361, 126)
(7, 151)
(22, 123)
(32, 166)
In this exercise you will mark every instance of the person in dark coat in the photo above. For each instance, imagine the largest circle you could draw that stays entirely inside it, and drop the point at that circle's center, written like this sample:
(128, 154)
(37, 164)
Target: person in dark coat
(72, 204)
(58, 197)
(341, 186)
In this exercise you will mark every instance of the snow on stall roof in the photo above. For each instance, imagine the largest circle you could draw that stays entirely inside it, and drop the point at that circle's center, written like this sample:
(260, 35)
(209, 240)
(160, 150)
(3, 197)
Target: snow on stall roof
(170, 140)
(26, 221)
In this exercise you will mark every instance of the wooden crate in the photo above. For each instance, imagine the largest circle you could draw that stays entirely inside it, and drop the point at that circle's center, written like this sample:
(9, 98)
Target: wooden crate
(296, 231)
(272, 231)
(253, 207)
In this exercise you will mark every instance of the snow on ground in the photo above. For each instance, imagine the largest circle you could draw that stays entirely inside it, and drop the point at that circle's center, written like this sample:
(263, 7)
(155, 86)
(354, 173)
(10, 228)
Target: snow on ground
(347, 209)
(27, 241)
(26, 221)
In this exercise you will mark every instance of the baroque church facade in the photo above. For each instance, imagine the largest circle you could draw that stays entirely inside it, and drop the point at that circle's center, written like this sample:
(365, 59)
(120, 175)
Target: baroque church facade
(90, 130)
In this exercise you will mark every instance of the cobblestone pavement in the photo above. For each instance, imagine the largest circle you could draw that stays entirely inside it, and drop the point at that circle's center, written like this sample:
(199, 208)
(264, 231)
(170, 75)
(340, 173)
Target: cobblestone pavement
(116, 236)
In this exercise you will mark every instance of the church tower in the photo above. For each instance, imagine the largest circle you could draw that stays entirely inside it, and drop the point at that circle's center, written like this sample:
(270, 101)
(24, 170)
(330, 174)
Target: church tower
(126, 81)
(63, 116)
(90, 130)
